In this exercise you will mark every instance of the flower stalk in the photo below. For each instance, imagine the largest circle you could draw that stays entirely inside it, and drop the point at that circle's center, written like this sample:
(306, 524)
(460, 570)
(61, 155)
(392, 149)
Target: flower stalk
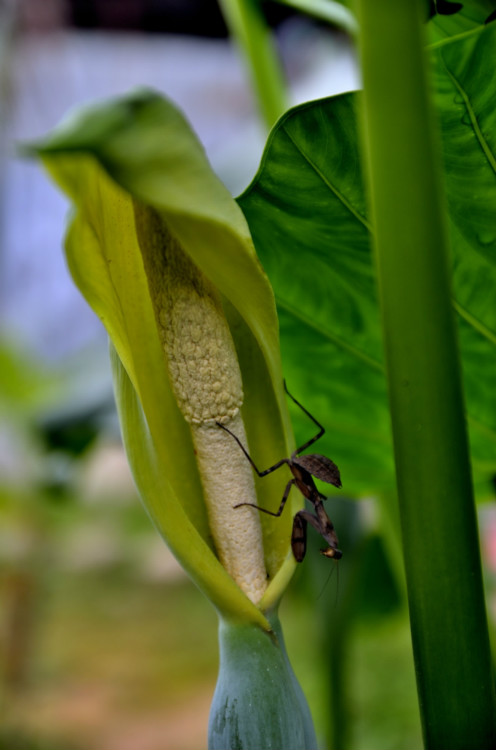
(258, 703)
(436, 500)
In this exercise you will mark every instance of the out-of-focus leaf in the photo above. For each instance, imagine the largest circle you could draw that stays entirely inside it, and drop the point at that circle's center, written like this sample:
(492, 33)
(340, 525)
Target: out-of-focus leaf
(26, 387)
(335, 13)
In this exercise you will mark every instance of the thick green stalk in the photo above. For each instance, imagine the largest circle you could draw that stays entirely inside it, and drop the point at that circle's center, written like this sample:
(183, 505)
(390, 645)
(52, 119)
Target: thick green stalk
(248, 27)
(258, 703)
(440, 539)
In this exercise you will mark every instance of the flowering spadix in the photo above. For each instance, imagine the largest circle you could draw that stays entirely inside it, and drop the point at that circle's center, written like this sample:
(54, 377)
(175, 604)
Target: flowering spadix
(163, 255)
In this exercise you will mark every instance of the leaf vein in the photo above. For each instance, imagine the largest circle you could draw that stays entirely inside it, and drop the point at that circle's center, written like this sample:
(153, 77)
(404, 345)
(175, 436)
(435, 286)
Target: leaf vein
(369, 361)
(326, 182)
(474, 322)
(473, 118)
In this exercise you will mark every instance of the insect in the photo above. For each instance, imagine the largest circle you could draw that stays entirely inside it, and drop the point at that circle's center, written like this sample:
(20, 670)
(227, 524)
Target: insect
(304, 468)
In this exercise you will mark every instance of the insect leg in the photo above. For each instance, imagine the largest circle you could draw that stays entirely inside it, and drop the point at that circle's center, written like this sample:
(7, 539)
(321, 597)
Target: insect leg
(323, 524)
(321, 429)
(299, 537)
(260, 473)
(269, 512)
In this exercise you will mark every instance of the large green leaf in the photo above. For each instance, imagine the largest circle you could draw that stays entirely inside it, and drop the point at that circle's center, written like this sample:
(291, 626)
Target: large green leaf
(471, 15)
(307, 213)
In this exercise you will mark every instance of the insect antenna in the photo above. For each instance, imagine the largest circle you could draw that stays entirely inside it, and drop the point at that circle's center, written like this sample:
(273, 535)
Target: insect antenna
(326, 582)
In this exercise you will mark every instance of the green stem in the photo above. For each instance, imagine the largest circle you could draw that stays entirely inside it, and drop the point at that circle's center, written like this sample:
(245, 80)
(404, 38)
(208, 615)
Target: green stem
(248, 27)
(440, 540)
(258, 703)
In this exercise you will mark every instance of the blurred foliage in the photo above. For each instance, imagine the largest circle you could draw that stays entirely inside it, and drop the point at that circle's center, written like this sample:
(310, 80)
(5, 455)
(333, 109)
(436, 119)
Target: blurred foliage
(19, 740)
(26, 386)
(143, 650)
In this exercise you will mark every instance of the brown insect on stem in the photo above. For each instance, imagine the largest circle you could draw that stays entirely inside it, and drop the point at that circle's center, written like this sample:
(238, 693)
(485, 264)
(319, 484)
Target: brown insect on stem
(304, 468)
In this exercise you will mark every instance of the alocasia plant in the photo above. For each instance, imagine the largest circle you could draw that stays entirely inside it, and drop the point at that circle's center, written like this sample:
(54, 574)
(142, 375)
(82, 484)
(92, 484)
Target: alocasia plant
(163, 254)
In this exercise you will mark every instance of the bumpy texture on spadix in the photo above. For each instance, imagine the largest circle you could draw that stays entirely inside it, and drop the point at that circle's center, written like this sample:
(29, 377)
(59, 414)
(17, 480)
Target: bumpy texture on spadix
(206, 380)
